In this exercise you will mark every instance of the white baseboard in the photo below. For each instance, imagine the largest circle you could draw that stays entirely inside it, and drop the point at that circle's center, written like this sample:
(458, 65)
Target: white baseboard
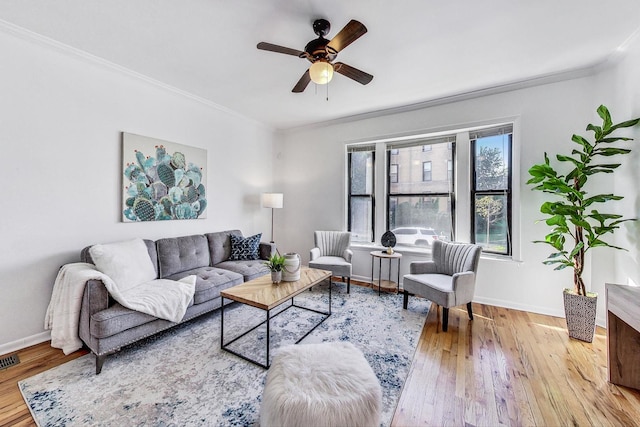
(600, 321)
(25, 342)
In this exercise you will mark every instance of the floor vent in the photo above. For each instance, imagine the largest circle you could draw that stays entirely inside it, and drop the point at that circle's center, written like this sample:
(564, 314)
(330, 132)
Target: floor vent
(8, 361)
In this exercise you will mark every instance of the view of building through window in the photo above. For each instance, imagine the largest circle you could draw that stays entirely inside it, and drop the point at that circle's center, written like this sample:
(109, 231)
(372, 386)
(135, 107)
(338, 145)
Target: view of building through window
(420, 194)
(421, 191)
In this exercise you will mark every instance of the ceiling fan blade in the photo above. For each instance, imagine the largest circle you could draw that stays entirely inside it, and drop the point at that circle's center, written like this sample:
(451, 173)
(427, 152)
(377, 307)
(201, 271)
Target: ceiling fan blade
(353, 73)
(350, 33)
(280, 49)
(302, 83)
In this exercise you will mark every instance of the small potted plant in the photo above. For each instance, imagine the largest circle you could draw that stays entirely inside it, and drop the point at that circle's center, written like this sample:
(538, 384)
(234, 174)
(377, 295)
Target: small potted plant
(576, 224)
(275, 264)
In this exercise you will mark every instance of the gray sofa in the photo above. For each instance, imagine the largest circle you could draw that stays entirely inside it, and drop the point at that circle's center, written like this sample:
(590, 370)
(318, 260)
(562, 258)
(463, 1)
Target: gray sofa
(106, 326)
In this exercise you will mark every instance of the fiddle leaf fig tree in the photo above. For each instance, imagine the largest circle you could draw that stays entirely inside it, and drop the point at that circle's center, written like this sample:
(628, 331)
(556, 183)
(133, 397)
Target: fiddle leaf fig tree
(576, 223)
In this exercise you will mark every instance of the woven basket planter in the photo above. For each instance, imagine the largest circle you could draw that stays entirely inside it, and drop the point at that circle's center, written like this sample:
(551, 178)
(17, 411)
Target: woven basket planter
(580, 312)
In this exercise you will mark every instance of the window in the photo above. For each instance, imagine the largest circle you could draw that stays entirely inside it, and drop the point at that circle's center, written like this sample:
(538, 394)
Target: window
(393, 173)
(426, 171)
(491, 189)
(420, 201)
(361, 164)
(459, 189)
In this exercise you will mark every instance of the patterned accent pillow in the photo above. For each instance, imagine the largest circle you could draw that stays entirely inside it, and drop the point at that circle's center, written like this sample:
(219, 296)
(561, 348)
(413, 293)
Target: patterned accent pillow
(244, 249)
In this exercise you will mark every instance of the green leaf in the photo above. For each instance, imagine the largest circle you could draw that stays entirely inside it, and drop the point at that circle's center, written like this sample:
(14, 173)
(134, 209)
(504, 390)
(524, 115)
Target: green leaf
(586, 145)
(610, 151)
(596, 129)
(627, 124)
(604, 114)
(562, 158)
(614, 139)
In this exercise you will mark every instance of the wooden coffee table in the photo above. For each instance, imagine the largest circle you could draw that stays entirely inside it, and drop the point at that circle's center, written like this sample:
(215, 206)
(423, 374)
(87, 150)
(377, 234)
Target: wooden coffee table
(263, 294)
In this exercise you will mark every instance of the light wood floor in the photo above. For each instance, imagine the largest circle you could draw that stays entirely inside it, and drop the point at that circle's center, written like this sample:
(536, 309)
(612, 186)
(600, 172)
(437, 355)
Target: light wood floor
(506, 367)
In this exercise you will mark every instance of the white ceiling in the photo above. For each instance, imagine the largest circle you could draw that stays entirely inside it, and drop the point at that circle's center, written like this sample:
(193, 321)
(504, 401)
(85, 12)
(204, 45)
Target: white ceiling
(418, 50)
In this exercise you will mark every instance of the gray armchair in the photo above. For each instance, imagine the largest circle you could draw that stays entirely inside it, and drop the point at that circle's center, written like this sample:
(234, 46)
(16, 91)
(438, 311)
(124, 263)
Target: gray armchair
(448, 280)
(331, 252)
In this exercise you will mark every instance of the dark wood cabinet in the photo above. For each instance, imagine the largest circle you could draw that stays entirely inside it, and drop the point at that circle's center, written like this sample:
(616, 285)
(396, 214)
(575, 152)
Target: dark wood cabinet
(623, 334)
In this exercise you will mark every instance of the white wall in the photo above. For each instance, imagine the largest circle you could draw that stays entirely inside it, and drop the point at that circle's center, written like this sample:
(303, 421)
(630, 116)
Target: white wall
(61, 118)
(310, 170)
(619, 88)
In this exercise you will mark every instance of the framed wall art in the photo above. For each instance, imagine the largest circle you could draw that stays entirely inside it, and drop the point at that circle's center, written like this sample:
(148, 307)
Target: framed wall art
(162, 180)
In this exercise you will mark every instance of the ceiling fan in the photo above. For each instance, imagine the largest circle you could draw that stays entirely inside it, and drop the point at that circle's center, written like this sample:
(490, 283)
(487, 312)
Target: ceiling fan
(322, 52)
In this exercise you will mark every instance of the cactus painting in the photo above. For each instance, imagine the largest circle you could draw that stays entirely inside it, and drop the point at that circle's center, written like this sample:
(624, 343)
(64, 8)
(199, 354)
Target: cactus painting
(162, 180)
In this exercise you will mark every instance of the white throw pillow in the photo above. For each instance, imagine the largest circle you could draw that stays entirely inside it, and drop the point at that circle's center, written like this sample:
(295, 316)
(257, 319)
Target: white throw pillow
(127, 263)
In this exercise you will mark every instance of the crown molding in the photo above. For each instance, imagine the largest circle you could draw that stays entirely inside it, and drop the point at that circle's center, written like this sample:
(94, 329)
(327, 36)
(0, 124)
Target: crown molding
(586, 71)
(63, 48)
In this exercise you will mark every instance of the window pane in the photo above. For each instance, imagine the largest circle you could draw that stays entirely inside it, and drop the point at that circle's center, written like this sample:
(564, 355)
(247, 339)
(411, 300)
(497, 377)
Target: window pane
(426, 171)
(418, 220)
(393, 173)
(491, 162)
(491, 222)
(361, 219)
(413, 176)
(362, 172)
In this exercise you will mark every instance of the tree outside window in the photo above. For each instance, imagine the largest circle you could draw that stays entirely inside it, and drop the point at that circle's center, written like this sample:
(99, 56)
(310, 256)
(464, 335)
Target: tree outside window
(492, 192)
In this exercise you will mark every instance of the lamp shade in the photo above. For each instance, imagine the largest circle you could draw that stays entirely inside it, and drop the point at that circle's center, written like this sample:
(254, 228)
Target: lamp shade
(272, 200)
(321, 72)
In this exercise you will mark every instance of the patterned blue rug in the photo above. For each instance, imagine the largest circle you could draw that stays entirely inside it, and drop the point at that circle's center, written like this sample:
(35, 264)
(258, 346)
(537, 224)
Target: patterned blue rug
(181, 377)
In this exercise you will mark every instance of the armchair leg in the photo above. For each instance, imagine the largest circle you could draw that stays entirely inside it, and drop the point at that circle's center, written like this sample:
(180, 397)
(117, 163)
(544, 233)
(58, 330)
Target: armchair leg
(445, 319)
(469, 311)
(348, 285)
(405, 300)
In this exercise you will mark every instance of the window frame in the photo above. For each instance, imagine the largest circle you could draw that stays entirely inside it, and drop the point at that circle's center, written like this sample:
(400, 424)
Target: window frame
(462, 206)
(508, 193)
(450, 195)
(371, 196)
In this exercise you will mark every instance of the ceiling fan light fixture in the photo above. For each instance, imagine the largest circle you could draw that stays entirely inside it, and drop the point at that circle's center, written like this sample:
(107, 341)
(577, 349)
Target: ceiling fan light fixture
(321, 72)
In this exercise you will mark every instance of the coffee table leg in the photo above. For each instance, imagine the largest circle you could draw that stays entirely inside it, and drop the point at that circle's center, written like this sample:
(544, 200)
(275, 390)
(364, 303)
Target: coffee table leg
(329, 296)
(222, 322)
(268, 334)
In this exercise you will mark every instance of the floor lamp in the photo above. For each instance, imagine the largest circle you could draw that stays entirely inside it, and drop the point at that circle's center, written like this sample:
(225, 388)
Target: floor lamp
(273, 201)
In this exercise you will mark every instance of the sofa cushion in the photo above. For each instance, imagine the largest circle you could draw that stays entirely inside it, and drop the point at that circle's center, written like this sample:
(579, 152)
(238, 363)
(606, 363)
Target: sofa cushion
(116, 319)
(245, 248)
(210, 281)
(126, 263)
(179, 254)
(220, 245)
(249, 269)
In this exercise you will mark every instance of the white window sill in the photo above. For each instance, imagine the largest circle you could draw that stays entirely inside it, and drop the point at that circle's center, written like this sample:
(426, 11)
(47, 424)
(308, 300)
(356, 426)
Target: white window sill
(367, 247)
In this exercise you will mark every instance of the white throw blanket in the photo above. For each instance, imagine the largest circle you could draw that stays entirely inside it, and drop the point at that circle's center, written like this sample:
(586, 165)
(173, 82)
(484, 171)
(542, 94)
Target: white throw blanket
(63, 313)
(162, 298)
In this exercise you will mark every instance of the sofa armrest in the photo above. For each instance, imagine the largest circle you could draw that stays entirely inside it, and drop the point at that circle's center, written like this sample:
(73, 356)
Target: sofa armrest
(314, 253)
(266, 250)
(422, 267)
(347, 254)
(95, 299)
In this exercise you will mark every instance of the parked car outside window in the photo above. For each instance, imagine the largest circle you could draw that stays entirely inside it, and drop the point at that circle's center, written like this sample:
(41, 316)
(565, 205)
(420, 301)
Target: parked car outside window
(415, 236)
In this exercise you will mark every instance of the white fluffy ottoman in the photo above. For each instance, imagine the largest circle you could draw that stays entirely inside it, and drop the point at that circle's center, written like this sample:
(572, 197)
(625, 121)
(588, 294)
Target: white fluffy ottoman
(328, 384)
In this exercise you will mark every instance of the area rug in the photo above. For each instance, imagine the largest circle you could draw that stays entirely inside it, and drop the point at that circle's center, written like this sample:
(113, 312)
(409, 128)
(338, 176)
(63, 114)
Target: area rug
(181, 377)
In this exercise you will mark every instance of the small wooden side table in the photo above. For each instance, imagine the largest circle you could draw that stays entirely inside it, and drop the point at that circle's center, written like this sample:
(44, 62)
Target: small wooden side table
(387, 284)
